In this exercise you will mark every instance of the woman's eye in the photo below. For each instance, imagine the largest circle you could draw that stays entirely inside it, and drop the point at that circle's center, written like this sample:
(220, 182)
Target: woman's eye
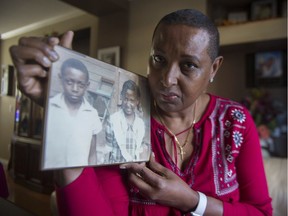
(189, 66)
(158, 59)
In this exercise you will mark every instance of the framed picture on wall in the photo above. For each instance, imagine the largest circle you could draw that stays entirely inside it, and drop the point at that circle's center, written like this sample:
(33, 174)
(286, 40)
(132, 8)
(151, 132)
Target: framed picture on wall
(110, 55)
(263, 9)
(266, 69)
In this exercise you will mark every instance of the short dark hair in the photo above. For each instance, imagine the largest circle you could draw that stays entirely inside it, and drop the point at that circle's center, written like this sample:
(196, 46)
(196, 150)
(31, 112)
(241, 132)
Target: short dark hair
(74, 63)
(130, 84)
(197, 19)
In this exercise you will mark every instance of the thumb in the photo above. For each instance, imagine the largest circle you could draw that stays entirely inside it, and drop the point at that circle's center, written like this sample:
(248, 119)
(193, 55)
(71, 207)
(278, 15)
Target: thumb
(66, 40)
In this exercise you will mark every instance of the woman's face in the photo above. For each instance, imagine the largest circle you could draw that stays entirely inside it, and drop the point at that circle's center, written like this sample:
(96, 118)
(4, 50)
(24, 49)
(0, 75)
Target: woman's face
(179, 66)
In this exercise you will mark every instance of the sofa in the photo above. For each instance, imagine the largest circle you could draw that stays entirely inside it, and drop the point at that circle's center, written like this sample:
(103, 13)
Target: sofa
(276, 174)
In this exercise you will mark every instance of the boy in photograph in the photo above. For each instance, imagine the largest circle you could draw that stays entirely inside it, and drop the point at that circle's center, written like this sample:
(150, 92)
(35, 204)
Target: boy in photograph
(125, 130)
(72, 122)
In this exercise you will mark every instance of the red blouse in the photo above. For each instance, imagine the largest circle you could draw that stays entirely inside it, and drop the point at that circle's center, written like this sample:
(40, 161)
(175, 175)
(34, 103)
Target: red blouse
(226, 164)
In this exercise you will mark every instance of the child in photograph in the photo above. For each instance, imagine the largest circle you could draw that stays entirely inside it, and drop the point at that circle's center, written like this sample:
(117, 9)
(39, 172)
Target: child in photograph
(72, 122)
(125, 129)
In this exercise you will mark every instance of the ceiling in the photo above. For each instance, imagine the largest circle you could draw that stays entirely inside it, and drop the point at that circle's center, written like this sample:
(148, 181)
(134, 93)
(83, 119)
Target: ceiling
(100, 7)
(18, 16)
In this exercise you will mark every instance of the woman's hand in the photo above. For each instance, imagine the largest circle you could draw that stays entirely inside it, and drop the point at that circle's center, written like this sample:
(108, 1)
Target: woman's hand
(161, 185)
(32, 58)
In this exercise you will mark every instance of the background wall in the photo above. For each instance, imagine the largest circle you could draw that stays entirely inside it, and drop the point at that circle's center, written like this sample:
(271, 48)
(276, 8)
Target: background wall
(7, 110)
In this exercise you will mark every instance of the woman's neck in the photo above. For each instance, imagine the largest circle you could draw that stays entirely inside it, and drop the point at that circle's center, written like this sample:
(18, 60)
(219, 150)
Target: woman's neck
(178, 121)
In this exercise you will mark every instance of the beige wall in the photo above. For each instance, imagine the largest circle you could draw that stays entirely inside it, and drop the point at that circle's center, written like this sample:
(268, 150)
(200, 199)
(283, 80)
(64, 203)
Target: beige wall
(230, 76)
(7, 110)
(7, 104)
(113, 31)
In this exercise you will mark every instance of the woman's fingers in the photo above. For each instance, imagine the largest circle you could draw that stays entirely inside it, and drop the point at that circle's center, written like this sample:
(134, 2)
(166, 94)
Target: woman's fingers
(44, 45)
(157, 167)
(32, 57)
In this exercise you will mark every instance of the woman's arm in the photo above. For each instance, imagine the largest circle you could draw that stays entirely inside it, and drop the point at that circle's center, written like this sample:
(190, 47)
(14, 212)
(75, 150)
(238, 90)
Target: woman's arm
(97, 191)
(254, 195)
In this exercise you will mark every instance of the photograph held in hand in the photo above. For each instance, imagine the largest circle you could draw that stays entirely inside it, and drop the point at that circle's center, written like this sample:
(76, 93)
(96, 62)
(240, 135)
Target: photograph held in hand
(96, 114)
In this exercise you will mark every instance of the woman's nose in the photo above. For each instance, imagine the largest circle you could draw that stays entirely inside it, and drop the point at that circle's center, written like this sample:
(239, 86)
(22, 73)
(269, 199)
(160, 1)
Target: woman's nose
(170, 75)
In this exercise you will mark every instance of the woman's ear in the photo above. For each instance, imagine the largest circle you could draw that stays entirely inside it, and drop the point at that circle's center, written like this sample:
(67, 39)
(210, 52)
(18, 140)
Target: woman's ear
(215, 67)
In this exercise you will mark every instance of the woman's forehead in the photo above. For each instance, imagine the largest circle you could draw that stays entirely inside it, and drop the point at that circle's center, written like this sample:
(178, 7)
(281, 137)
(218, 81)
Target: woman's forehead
(177, 30)
(180, 37)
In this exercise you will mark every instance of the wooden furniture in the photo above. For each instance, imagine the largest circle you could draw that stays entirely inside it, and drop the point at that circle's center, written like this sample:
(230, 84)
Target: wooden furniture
(26, 147)
(251, 30)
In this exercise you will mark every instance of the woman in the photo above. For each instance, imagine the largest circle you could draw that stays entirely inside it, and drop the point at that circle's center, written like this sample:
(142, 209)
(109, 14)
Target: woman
(206, 154)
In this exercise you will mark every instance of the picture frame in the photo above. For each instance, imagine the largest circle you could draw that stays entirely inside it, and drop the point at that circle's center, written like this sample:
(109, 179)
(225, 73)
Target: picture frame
(94, 87)
(110, 55)
(263, 9)
(266, 69)
(8, 80)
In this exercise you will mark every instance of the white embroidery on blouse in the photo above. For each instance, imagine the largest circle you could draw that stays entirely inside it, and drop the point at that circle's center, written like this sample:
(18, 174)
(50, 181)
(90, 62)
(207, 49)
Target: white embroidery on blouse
(227, 123)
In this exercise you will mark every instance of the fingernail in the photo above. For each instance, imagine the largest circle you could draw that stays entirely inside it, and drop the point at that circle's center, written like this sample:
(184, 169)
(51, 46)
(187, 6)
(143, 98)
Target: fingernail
(46, 61)
(122, 167)
(44, 73)
(54, 56)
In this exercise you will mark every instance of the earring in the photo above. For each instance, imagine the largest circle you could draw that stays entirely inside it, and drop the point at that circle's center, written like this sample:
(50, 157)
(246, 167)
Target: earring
(211, 79)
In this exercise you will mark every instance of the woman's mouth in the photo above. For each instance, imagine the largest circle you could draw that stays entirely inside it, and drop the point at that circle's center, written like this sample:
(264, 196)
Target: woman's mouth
(169, 96)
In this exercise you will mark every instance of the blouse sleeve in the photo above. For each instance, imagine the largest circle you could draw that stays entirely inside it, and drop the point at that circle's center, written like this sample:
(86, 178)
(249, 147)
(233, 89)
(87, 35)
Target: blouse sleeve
(97, 191)
(254, 195)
